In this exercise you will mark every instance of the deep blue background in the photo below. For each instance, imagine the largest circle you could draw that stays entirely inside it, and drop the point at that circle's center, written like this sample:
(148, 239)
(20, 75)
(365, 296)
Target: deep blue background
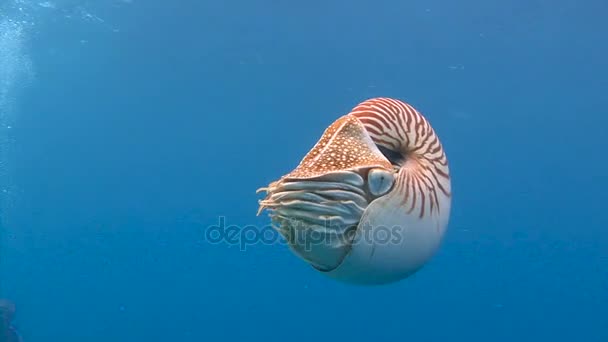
(127, 146)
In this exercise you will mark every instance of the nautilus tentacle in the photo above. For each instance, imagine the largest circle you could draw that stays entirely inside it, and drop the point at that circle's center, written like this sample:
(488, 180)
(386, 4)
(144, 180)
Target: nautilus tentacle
(371, 201)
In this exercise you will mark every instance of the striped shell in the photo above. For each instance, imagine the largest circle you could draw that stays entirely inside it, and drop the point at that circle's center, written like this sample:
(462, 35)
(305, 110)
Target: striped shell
(370, 202)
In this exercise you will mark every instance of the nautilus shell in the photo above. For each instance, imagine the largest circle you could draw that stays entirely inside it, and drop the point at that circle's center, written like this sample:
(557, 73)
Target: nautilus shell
(370, 203)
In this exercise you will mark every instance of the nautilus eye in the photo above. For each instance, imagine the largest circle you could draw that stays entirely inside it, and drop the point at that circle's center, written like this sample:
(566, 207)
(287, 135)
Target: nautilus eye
(370, 202)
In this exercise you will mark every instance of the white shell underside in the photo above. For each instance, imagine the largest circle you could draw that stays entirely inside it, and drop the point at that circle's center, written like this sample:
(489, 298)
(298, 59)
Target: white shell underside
(392, 244)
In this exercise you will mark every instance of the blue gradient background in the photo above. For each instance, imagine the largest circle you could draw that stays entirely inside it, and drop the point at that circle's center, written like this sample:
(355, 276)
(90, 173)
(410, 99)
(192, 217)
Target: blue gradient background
(128, 146)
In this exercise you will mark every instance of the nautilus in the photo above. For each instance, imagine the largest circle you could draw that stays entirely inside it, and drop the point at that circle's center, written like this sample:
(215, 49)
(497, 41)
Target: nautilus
(370, 203)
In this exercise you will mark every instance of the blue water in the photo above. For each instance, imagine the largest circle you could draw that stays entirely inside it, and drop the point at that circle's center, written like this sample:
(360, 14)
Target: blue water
(137, 125)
